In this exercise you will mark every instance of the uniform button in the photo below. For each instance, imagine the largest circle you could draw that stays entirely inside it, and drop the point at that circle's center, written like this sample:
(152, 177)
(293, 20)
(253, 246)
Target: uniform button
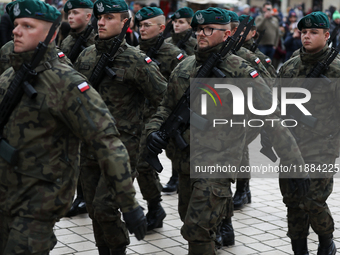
(133, 132)
(330, 136)
(58, 180)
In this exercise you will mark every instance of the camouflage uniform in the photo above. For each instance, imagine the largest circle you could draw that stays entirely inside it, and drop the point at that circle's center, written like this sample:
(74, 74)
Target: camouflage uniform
(70, 40)
(189, 45)
(202, 201)
(46, 131)
(319, 145)
(265, 60)
(9, 47)
(125, 95)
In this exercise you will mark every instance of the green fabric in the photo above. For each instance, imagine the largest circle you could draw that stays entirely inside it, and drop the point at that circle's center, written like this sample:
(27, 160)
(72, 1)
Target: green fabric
(148, 13)
(243, 16)
(233, 16)
(35, 9)
(109, 6)
(314, 20)
(184, 12)
(210, 16)
(75, 4)
(336, 15)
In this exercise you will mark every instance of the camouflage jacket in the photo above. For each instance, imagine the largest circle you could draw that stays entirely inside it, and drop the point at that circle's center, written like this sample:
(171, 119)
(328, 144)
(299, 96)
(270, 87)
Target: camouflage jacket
(265, 60)
(227, 142)
(188, 46)
(70, 40)
(46, 132)
(9, 47)
(324, 104)
(168, 55)
(136, 80)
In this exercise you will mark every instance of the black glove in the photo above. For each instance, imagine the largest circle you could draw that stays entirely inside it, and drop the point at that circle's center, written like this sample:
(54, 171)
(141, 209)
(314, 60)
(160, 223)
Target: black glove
(301, 186)
(155, 143)
(136, 222)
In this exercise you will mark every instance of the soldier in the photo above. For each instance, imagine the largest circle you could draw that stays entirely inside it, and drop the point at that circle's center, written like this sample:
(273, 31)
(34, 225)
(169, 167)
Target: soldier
(79, 14)
(136, 80)
(182, 34)
(318, 145)
(36, 188)
(265, 60)
(202, 201)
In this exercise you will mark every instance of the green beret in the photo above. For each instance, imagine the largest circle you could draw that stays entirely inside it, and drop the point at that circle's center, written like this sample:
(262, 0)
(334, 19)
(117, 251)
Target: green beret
(336, 15)
(35, 9)
(243, 16)
(109, 6)
(148, 13)
(210, 16)
(184, 12)
(233, 15)
(314, 20)
(75, 4)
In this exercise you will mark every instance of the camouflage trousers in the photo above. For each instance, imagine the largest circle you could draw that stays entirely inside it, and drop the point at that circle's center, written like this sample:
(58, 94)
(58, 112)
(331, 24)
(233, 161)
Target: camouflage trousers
(202, 205)
(311, 210)
(24, 236)
(148, 179)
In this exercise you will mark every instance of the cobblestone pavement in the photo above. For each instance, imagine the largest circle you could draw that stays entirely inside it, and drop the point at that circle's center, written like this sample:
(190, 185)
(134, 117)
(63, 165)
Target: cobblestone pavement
(260, 227)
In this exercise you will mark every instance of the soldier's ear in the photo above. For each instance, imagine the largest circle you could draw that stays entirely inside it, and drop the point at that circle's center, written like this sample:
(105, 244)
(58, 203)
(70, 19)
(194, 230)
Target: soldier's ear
(161, 28)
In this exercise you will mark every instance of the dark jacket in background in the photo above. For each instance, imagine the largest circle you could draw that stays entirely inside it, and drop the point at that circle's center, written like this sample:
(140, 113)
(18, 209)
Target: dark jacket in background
(291, 44)
(6, 28)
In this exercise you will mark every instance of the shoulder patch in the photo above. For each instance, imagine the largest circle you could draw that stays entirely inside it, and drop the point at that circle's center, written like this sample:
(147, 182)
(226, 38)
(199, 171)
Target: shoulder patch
(268, 60)
(61, 54)
(148, 60)
(180, 56)
(257, 60)
(83, 86)
(254, 74)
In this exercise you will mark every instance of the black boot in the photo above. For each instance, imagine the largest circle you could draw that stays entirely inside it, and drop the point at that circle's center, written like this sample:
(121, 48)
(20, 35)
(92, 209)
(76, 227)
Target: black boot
(299, 246)
(242, 195)
(103, 250)
(326, 245)
(120, 251)
(227, 232)
(218, 240)
(155, 215)
(172, 184)
(79, 205)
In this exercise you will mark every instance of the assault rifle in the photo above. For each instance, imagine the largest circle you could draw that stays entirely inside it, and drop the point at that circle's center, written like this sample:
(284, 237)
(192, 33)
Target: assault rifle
(78, 46)
(106, 59)
(18, 87)
(244, 36)
(292, 111)
(257, 42)
(182, 116)
(153, 50)
(181, 43)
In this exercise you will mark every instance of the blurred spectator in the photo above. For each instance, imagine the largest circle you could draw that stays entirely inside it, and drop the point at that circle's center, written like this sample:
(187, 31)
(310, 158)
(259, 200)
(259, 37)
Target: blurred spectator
(229, 7)
(244, 9)
(131, 35)
(267, 21)
(334, 24)
(280, 50)
(137, 6)
(292, 41)
(299, 12)
(6, 28)
(291, 19)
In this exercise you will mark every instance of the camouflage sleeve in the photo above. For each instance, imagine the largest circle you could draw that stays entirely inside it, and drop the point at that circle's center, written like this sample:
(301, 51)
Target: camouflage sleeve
(83, 110)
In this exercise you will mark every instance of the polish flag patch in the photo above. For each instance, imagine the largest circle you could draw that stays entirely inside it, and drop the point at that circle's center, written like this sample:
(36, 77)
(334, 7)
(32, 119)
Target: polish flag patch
(61, 54)
(148, 60)
(83, 86)
(180, 56)
(268, 60)
(257, 60)
(254, 74)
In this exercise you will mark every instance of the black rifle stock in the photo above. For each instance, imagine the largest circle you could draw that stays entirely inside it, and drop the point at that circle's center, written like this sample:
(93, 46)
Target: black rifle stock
(181, 43)
(257, 42)
(292, 111)
(182, 116)
(153, 50)
(103, 65)
(16, 90)
(78, 45)
(333, 35)
(244, 35)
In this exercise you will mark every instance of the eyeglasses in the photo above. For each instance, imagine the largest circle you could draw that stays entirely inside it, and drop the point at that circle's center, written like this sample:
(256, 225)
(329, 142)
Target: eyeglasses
(207, 31)
(146, 25)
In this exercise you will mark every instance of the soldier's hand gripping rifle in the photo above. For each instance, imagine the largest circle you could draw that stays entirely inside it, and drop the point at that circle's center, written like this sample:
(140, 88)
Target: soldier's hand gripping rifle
(181, 43)
(79, 44)
(292, 111)
(18, 87)
(257, 42)
(244, 36)
(153, 50)
(106, 59)
(182, 116)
